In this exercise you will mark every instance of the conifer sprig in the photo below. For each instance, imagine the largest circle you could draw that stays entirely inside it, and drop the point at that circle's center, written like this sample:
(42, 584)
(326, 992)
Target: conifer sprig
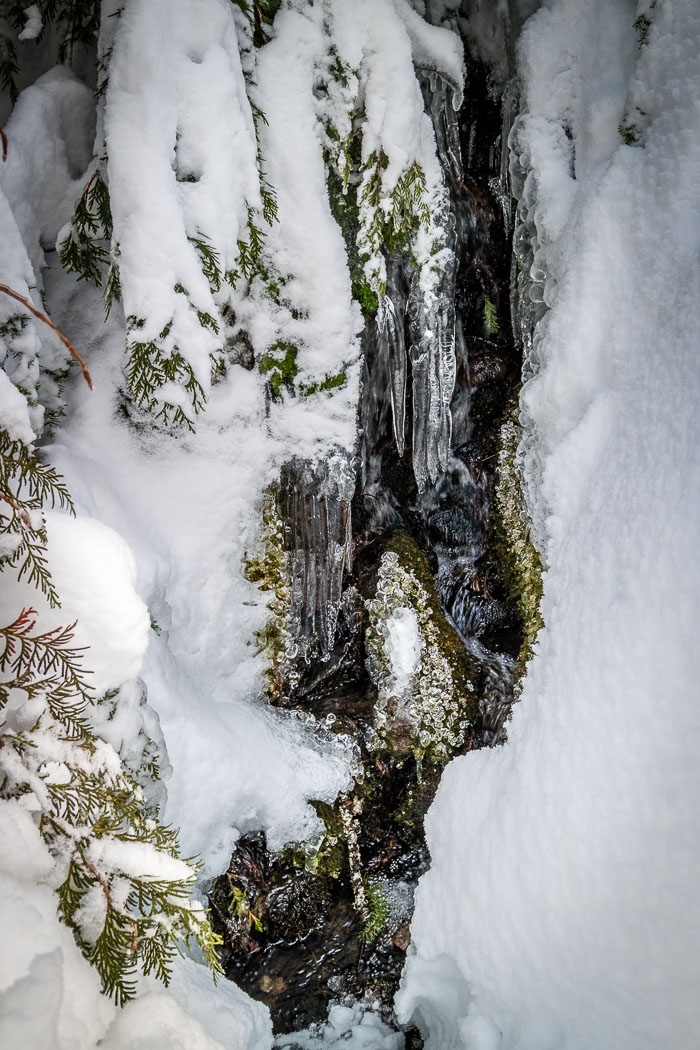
(84, 250)
(27, 485)
(125, 890)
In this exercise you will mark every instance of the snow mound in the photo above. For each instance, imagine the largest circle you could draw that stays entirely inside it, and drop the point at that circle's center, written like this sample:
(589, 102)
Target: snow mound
(562, 908)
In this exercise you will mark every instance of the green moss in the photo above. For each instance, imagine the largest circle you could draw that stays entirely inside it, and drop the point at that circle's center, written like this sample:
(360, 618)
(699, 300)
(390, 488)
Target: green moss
(345, 211)
(490, 317)
(431, 716)
(629, 133)
(417, 800)
(331, 859)
(281, 362)
(330, 382)
(378, 908)
(451, 646)
(520, 562)
(270, 571)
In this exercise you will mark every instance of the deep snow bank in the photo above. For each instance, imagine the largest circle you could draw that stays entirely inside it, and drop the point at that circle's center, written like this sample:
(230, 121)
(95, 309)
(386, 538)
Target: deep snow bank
(562, 906)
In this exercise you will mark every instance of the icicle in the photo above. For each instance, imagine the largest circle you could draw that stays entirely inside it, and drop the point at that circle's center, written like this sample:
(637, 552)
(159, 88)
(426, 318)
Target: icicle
(432, 333)
(431, 311)
(440, 98)
(500, 185)
(391, 334)
(315, 501)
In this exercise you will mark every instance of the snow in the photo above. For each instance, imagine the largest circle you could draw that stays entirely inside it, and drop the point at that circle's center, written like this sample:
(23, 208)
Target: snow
(33, 24)
(403, 647)
(561, 909)
(182, 165)
(224, 1019)
(305, 247)
(14, 412)
(94, 573)
(165, 519)
(40, 961)
(50, 139)
(352, 1027)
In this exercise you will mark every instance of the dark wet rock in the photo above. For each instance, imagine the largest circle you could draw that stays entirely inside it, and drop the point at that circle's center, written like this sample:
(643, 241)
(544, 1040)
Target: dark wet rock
(486, 367)
(239, 350)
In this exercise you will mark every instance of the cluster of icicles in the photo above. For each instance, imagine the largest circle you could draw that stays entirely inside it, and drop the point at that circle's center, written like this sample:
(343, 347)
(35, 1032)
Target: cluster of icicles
(315, 499)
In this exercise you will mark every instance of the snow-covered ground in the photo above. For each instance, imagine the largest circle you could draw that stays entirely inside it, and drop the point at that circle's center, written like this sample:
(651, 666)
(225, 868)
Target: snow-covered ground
(562, 907)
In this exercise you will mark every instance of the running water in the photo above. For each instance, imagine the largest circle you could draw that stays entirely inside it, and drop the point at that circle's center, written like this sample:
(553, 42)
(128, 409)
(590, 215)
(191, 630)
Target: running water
(438, 369)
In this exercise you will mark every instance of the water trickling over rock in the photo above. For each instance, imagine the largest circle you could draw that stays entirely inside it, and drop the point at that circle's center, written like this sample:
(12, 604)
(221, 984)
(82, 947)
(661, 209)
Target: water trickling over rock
(402, 635)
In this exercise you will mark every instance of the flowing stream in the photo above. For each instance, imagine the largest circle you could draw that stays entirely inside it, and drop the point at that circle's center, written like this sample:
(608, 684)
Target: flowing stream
(308, 925)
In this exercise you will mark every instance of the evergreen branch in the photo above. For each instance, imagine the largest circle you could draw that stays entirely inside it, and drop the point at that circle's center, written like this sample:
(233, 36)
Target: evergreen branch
(113, 287)
(35, 567)
(9, 69)
(209, 260)
(42, 317)
(20, 469)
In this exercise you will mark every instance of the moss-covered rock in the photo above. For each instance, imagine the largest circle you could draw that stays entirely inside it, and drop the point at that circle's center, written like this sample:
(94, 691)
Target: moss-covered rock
(520, 563)
(428, 712)
(269, 569)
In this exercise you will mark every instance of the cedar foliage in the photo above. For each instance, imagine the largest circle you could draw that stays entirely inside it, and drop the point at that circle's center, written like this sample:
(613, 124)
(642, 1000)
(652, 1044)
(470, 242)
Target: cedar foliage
(124, 890)
(26, 486)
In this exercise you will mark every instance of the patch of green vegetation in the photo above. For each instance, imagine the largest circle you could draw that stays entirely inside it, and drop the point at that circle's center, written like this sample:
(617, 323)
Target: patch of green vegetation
(13, 326)
(520, 562)
(270, 571)
(331, 859)
(329, 382)
(208, 260)
(378, 909)
(629, 133)
(148, 369)
(491, 323)
(261, 15)
(280, 362)
(389, 225)
(345, 211)
(84, 250)
(239, 907)
(642, 25)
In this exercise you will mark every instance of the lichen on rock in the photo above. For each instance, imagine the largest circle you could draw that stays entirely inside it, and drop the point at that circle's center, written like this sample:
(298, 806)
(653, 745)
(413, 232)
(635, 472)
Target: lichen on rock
(425, 690)
(519, 559)
(270, 570)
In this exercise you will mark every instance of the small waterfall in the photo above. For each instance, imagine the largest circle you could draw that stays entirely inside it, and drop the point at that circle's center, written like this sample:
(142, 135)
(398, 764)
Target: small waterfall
(439, 365)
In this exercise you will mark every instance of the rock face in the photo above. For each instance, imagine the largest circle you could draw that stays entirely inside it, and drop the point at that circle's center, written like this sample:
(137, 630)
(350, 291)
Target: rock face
(394, 624)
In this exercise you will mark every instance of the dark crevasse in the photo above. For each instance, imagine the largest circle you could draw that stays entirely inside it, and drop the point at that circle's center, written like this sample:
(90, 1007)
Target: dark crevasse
(394, 542)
